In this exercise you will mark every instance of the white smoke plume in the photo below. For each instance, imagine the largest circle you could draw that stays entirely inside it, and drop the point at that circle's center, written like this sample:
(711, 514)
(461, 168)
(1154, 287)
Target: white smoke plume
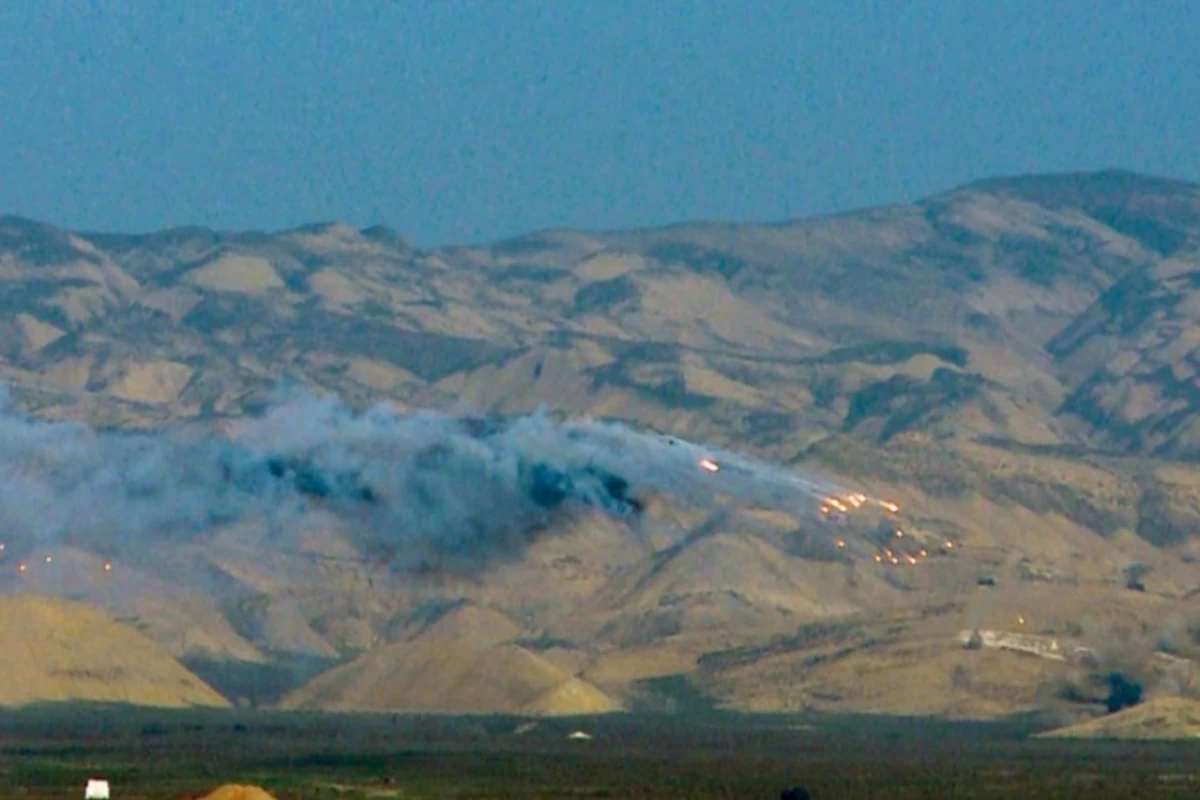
(421, 484)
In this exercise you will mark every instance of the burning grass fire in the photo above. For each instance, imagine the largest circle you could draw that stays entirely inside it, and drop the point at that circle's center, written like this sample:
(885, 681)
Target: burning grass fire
(885, 544)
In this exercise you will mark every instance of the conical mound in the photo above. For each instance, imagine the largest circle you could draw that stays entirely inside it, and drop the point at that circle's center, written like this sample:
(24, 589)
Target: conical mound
(234, 792)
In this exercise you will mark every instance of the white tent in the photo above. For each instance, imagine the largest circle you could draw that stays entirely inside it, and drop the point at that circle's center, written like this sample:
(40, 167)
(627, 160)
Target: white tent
(97, 789)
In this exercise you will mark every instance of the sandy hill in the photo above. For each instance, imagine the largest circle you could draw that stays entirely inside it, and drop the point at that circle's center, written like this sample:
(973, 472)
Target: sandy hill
(56, 650)
(464, 661)
(1160, 718)
(1013, 361)
(237, 792)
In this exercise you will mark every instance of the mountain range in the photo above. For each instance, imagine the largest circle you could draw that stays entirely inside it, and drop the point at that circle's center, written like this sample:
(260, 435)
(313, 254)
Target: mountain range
(1014, 362)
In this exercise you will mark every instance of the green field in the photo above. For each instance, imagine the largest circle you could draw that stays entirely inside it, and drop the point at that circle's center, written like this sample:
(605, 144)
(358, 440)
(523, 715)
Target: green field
(49, 753)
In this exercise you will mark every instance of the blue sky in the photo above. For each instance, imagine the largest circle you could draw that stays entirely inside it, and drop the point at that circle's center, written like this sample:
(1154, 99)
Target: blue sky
(470, 121)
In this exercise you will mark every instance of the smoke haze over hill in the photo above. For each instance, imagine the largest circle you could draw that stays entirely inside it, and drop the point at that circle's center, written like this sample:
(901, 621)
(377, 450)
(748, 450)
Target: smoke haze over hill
(419, 484)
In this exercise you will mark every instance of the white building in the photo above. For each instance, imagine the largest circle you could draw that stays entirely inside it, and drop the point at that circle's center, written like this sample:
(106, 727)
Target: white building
(97, 789)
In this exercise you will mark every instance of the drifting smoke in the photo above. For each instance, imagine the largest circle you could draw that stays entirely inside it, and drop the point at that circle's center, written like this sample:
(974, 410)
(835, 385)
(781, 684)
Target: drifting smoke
(1123, 692)
(421, 486)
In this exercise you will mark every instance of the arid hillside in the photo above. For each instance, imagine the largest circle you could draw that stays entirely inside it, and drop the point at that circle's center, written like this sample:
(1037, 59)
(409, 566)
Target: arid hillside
(58, 650)
(1163, 718)
(1014, 362)
(997, 309)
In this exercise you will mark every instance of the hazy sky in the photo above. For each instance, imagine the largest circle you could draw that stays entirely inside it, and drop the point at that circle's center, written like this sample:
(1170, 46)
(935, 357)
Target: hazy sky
(468, 121)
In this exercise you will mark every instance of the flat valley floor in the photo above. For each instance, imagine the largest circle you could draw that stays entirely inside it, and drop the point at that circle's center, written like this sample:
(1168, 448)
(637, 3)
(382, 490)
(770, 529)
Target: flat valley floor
(51, 752)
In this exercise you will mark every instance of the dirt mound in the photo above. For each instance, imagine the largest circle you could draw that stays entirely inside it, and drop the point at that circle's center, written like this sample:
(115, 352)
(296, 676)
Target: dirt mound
(232, 791)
